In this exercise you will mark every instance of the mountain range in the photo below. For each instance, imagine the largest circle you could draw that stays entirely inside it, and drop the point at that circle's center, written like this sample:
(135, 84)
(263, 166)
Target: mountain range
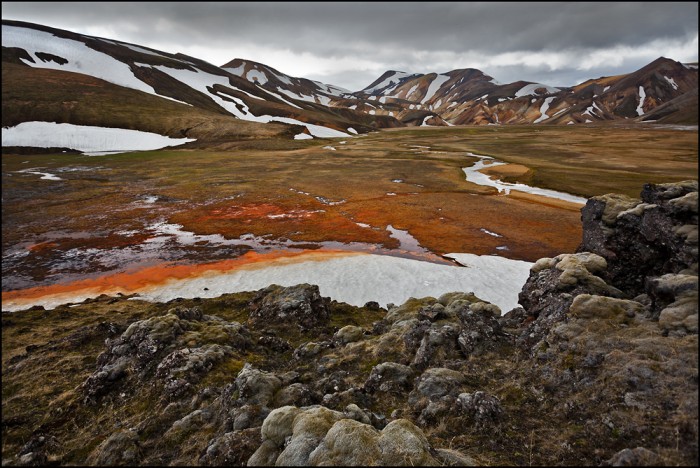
(52, 75)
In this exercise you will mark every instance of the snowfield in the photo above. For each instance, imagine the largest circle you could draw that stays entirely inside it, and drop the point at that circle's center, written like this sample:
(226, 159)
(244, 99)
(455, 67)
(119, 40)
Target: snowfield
(85, 138)
(351, 277)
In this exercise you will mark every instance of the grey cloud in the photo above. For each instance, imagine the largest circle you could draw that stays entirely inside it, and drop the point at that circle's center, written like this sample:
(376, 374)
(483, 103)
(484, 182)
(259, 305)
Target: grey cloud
(387, 33)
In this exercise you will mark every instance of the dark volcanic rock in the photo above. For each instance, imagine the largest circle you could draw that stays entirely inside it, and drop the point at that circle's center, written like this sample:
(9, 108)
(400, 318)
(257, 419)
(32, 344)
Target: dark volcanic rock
(642, 238)
(301, 304)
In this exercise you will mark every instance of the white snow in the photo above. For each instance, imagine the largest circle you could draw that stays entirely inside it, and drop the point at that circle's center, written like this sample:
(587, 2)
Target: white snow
(255, 75)
(302, 136)
(388, 81)
(425, 119)
(324, 100)
(329, 148)
(201, 80)
(528, 90)
(642, 96)
(85, 138)
(44, 175)
(284, 79)
(671, 81)
(352, 130)
(543, 110)
(359, 278)
(353, 107)
(590, 110)
(435, 86)
(301, 97)
(382, 99)
(569, 123)
(135, 48)
(236, 71)
(410, 91)
(490, 233)
(606, 88)
(81, 58)
(372, 112)
(474, 176)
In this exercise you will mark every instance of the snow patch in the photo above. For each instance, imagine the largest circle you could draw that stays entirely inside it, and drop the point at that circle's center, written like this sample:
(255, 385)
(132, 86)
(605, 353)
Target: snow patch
(642, 96)
(529, 90)
(81, 58)
(84, 138)
(543, 109)
(302, 136)
(671, 82)
(435, 85)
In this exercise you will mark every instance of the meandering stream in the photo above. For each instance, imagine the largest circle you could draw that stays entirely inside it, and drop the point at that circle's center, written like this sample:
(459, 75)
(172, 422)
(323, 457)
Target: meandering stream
(474, 176)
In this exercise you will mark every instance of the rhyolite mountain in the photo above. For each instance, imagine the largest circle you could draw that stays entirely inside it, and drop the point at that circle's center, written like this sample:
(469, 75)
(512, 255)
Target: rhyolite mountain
(53, 75)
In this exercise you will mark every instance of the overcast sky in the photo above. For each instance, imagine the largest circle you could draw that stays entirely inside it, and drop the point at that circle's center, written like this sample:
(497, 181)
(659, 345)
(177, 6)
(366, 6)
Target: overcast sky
(352, 44)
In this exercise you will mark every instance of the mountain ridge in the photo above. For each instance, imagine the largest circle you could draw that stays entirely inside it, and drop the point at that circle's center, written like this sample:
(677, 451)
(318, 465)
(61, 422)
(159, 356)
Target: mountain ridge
(244, 94)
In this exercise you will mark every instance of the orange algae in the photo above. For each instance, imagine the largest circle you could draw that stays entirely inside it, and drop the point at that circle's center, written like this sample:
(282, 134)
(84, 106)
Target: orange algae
(155, 276)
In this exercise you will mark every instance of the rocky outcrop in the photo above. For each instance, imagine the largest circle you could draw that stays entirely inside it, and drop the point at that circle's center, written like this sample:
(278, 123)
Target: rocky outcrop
(302, 305)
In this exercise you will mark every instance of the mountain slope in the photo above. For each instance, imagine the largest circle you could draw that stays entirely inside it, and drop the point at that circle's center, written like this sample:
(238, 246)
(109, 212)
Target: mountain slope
(169, 85)
(468, 96)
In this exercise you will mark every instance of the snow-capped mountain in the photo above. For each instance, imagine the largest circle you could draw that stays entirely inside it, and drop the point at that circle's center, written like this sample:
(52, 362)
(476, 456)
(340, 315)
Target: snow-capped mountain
(469, 96)
(51, 75)
(184, 86)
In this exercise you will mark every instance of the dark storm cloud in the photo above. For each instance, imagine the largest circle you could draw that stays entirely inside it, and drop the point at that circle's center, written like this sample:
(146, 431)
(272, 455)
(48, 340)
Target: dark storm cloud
(417, 36)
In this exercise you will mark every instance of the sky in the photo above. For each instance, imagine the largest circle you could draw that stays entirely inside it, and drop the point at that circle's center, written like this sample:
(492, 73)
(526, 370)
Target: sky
(350, 44)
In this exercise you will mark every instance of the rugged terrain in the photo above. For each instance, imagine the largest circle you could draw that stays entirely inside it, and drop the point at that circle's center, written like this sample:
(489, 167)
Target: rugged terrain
(599, 366)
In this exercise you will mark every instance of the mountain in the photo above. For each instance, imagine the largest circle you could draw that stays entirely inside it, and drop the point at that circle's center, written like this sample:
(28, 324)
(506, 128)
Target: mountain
(51, 75)
(469, 96)
(58, 76)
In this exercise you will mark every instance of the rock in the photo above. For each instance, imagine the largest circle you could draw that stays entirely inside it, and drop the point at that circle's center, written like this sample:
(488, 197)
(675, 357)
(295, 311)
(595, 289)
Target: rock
(651, 234)
(120, 448)
(639, 456)
(256, 386)
(590, 306)
(301, 305)
(551, 288)
(177, 351)
(674, 299)
(274, 343)
(403, 444)
(296, 394)
(481, 330)
(184, 364)
(437, 342)
(481, 408)
(449, 457)
(435, 383)
(349, 334)
(232, 448)
(389, 377)
(308, 429)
